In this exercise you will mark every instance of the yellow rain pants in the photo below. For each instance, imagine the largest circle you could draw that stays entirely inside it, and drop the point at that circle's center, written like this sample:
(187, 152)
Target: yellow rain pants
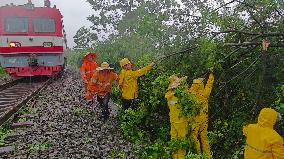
(179, 124)
(200, 122)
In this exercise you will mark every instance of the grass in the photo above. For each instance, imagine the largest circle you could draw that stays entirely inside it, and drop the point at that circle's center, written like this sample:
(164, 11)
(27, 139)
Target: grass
(4, 132)
(88, 140)
(80, 111)
(2, 72)
(74, 57)
(33, 148)
(117, 154)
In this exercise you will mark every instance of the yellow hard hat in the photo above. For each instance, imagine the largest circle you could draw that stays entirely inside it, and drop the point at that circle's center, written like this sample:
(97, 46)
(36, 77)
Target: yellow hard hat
(124, 62)
(198, 80)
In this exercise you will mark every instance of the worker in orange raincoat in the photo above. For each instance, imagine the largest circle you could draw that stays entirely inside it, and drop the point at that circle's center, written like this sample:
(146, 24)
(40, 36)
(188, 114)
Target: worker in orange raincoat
(128, 82)
(88, 68)
(200, 122)
(102, 80)
(263, 142)
(179, 123)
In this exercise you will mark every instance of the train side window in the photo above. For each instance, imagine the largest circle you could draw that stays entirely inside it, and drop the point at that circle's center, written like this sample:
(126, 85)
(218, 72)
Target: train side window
(16, 24)
(43, 25)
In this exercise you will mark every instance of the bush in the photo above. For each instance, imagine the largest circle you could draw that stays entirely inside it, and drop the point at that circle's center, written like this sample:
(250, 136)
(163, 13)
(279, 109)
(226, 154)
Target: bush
(2, 72)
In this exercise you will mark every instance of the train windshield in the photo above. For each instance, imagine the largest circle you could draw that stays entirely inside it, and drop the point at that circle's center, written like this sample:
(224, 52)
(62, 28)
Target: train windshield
(16, 24)
(43, 25)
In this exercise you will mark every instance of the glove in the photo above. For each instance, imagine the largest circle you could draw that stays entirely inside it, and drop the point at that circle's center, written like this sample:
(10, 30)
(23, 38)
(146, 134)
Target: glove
(265, 45)
(212, 70)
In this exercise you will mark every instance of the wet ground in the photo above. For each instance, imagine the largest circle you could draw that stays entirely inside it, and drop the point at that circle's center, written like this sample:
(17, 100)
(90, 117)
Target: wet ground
(63, 127)
(4, 79)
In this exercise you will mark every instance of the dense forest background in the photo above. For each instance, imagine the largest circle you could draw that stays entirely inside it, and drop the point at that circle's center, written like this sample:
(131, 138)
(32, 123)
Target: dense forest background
(187, 37)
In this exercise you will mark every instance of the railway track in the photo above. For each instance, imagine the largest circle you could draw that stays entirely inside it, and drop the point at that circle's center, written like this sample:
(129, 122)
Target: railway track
(15, 94)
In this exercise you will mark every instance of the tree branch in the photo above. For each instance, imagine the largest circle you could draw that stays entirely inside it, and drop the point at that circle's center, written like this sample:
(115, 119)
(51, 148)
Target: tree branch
(251, 13)
(236, 31)
(250, 33)
(224, 5)
(160, 59)
(252, 44)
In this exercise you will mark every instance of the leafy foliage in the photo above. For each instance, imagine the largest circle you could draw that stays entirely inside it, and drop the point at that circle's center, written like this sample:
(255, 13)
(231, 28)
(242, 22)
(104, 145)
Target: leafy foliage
(33, 148)
(187, 38)
(188, 102)
(279, 106)
(2, 72)
(279, 103)
(84, 38)
(4, 132)
(130, 123)
(191, 155)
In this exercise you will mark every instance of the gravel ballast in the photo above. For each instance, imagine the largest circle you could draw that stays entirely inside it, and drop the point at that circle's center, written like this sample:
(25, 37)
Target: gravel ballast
(63, 127)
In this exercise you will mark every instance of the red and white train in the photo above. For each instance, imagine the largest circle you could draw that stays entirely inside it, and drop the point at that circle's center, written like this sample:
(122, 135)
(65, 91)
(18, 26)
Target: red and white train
(32, 40)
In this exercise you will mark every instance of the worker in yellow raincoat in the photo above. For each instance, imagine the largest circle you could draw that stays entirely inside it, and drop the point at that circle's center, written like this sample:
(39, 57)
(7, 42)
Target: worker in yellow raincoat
(179, 123)
(200, 122)
(263, 142)
(128, 82)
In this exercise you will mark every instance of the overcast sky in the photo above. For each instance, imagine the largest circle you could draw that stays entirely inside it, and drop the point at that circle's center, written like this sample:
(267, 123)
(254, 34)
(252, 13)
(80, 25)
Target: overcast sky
(75, 13)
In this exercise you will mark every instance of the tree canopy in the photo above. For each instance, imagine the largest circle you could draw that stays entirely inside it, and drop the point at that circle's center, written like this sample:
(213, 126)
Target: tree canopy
(187, 37)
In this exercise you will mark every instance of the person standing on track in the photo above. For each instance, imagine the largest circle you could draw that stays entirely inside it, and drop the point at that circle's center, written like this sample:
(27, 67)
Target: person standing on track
(102, 82)
(128, 82)
(88, 68)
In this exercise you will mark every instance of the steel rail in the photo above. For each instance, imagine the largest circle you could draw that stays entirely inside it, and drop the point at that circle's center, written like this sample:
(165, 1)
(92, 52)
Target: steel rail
(9, 84)
(14, 95)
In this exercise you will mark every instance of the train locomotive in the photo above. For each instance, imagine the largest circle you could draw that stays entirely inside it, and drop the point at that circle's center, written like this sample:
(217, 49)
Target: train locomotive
(32, 40)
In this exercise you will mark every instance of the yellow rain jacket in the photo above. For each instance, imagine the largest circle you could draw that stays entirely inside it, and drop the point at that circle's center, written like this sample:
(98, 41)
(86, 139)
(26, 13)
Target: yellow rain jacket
(262, 141)
(128, 81)
(200, 122)
(202, 93)
(175, 112)
(179, 123)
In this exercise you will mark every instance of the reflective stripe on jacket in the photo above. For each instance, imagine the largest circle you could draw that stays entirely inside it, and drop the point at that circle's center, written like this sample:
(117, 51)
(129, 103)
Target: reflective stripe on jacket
(175, 112)
(87, 70)
(257, 150)
(102, 82)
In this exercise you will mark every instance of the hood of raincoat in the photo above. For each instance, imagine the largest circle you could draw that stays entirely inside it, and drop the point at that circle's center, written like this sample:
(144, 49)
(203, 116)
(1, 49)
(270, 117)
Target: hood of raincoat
(89, 54)
(124, 62)
(197, 86)
(267, 117)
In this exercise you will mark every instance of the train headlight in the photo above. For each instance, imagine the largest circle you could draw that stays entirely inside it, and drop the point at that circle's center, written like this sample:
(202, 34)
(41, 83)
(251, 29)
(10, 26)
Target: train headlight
(47, 44)
(14, 44)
